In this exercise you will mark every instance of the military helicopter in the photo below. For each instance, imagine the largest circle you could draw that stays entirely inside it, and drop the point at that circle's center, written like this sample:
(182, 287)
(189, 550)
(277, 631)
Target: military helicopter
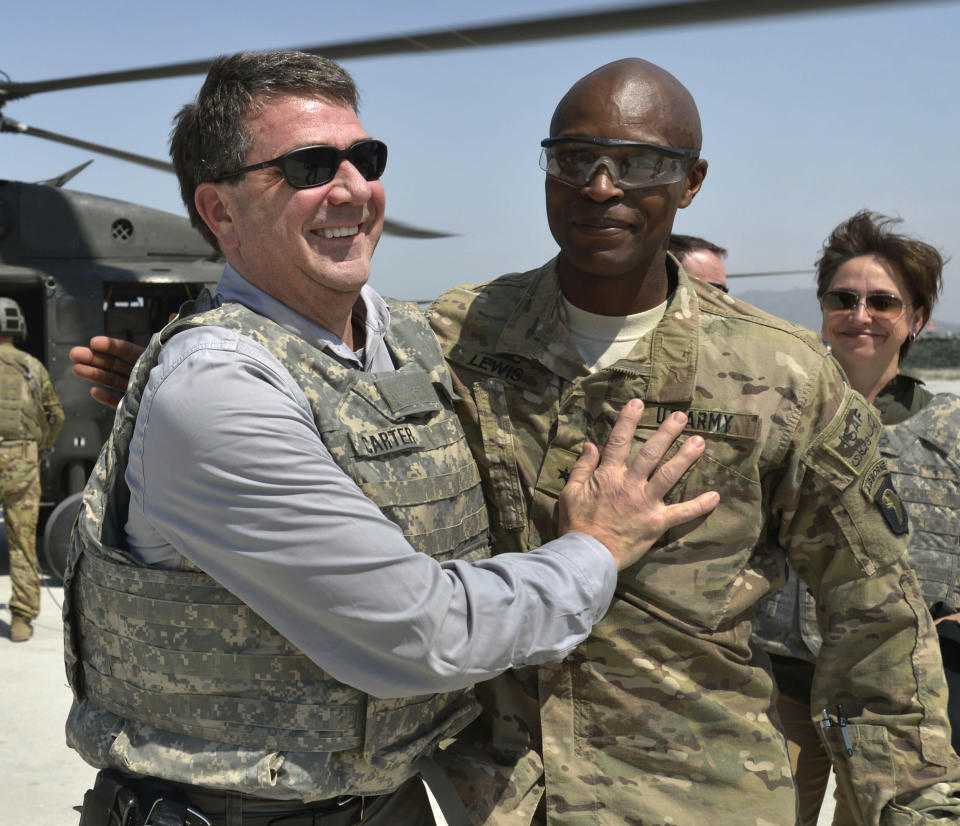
(82, 265)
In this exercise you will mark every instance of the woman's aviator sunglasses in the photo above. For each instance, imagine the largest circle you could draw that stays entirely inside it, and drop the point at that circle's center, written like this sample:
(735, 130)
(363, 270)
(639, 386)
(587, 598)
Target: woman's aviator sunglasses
(311, 166)
(879, 305)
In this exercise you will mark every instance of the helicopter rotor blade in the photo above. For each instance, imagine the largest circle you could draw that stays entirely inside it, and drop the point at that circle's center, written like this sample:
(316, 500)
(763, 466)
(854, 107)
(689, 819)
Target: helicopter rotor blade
(604, 21)
(765, 273)
(390, 226)
(8, 125)
(404, 230)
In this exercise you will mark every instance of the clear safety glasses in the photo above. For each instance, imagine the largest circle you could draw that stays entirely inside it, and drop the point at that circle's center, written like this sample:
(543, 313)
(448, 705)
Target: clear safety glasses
(575, 159)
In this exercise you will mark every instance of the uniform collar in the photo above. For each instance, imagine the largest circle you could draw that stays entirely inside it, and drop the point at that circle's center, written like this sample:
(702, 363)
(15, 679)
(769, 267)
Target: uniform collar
(370, 310)
(676, 341)
(535, 330)
(900, 398)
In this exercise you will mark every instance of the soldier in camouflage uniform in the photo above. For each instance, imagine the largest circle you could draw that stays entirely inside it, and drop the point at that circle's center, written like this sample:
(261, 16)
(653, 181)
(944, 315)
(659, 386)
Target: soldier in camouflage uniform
(258, 624)
(700, 258)
(30, 419)
(877, 289)
(664, 715)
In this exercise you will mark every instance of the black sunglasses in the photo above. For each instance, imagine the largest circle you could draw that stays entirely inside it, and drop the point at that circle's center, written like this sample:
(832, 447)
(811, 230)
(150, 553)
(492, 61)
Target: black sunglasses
(879, 305)
(316, 165)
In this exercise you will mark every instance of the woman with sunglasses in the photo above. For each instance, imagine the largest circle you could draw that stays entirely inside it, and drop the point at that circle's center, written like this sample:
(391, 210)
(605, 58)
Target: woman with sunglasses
(877, 289)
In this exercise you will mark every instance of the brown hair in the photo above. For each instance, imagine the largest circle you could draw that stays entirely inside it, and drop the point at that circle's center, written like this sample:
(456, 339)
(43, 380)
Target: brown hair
(210, 136)
(919, 264)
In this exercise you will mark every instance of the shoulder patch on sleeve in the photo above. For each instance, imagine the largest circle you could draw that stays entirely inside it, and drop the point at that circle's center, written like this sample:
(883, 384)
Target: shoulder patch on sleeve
(873, 479)
(853, 435)
(888, 500)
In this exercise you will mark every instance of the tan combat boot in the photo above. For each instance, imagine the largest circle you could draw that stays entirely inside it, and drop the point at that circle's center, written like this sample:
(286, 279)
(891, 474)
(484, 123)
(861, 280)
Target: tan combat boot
(20, 629)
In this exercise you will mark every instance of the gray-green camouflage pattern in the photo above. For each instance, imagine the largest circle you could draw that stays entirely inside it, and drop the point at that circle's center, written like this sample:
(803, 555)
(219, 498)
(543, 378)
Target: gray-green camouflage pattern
(30, 419)
(786, 621)
(922, 454)
(663, 716)
(175, 677)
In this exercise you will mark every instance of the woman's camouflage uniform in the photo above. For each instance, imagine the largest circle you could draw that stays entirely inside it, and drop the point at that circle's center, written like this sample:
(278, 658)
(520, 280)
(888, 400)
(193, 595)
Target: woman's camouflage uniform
(174, 677)
(923, 454)
(661, 716)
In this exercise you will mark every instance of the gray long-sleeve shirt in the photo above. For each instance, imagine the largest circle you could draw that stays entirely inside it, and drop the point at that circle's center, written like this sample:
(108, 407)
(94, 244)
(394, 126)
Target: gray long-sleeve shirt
(227, 469)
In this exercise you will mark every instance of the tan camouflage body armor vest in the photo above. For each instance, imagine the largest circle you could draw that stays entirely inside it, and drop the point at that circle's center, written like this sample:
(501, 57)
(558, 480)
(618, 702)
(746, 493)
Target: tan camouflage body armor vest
(173, 676)
(923, 455)
(21, 405)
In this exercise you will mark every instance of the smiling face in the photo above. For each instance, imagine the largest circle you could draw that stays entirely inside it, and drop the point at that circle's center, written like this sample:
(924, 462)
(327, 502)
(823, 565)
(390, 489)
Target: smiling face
(608, 234)
(309, 248)
(859, 341)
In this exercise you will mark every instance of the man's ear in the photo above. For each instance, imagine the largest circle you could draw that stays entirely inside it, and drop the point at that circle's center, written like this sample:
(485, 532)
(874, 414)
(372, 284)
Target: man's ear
(693, 182)
(216, 212)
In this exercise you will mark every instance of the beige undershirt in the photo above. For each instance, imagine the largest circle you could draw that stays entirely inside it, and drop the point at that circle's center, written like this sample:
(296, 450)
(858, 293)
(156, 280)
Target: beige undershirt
(604, 339)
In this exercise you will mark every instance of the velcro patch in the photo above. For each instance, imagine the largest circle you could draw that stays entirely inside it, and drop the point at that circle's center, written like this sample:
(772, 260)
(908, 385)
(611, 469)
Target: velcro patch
(501, 366)
(555, 472)
(408, 392)
(730, 425)
(872, 480)
(892, 508)
(878, 486)
(853, 434)
(389, 440)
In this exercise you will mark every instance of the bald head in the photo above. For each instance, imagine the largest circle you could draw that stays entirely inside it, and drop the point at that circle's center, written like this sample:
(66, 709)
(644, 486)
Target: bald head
(638, 95)
(628, 116)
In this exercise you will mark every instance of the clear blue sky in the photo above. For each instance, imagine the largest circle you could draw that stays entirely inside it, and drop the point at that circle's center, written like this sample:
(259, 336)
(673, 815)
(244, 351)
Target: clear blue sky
(806, 119)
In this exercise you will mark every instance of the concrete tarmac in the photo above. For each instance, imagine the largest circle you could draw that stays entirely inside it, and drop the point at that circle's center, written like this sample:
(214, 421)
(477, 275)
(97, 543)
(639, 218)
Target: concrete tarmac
(43, 780)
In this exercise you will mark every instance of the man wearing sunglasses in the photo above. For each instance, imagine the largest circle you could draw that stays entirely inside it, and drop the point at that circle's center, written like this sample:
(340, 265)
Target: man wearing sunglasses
(665, 714)
(278, 594)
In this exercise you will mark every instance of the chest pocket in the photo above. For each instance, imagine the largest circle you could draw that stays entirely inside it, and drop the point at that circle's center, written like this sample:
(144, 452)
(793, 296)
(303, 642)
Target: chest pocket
(706, 572)
(384, 417)
(703, 572)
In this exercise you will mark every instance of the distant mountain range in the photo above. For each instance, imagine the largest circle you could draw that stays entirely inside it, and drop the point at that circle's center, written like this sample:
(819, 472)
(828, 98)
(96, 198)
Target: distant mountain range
(799, 306)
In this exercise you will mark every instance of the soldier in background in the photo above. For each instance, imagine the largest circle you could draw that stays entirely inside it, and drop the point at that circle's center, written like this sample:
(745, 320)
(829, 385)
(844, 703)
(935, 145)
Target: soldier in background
(30, 419)
(877, 289)
(700, 258)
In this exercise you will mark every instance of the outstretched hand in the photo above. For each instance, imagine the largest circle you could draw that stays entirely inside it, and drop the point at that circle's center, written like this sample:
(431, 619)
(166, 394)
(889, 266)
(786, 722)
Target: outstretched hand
(621, 504)
(107, 363)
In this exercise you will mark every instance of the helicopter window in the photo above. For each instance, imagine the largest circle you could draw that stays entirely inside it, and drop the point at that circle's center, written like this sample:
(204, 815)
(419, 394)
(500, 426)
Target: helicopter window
(135, 310)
